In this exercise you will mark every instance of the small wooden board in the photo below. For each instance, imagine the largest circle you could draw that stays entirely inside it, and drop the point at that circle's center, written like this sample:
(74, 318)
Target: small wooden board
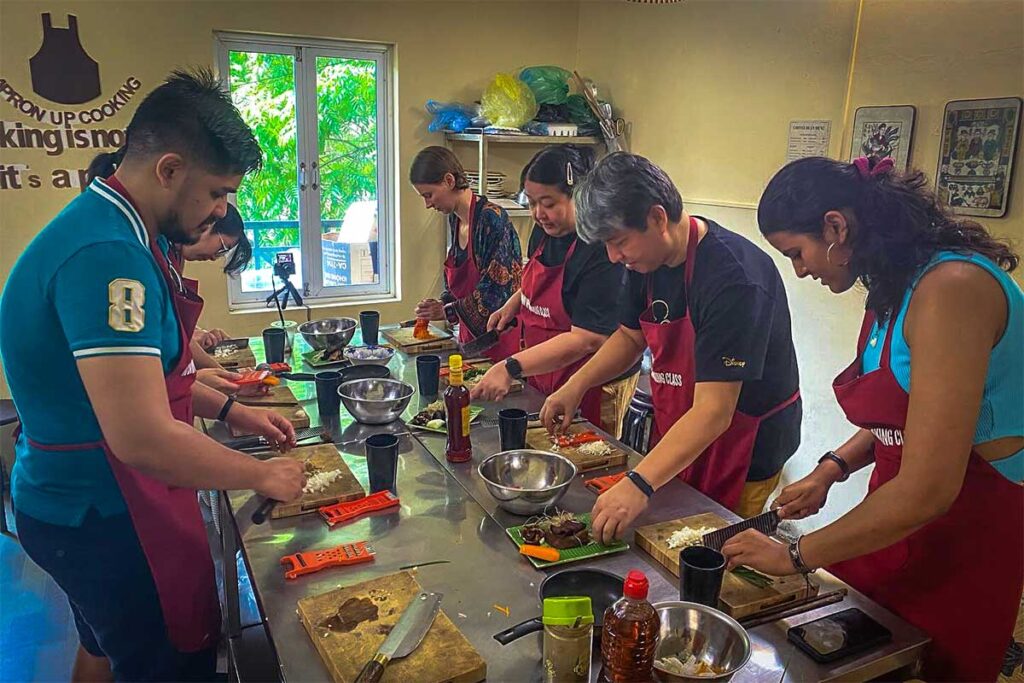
(539, 439)
(444, 655)
(279, 395)
(739, 598)
(294, 414)
(325, 457)
(484, 364)
(402, 338)
(243, 357)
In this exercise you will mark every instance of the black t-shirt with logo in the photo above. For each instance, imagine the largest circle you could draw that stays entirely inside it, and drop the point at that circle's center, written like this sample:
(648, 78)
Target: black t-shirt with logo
(740, 315)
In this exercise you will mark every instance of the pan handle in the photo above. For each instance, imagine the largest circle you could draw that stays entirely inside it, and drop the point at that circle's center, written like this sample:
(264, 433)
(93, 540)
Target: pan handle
(519, 630)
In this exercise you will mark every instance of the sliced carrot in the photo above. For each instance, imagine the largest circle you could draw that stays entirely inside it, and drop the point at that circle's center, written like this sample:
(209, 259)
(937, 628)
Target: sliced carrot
(541, 552)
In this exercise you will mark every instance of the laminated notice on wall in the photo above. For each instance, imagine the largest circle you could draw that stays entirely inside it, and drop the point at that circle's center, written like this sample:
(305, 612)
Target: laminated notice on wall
(808, 139)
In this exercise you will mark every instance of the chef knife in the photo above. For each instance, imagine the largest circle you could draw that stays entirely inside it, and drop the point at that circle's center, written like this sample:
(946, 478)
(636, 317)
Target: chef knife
(485, 341)
(767, 523)
(405, 637)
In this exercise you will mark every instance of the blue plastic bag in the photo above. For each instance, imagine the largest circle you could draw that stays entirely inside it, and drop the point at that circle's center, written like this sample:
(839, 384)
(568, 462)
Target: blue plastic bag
(450, 116)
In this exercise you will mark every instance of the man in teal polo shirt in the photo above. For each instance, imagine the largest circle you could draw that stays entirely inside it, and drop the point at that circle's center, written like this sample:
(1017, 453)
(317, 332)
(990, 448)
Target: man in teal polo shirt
(94, 325)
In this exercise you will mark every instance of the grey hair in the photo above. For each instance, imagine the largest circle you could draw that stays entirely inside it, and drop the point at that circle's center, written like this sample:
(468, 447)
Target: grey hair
(619, 193)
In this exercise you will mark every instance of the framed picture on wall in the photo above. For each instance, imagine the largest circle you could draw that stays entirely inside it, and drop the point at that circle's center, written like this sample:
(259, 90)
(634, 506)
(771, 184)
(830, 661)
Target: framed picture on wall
(882, 132)
(979, 138)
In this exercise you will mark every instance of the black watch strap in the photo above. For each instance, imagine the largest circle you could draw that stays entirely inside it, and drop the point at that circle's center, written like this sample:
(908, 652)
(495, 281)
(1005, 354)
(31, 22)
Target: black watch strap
(515, 370)
(222, 415)
(843, 465)
(641, 483)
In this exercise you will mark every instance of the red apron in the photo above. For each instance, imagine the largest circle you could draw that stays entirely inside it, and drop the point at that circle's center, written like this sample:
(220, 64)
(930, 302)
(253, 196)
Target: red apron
(544, 317)
(463, 279)
(167, 518)
(959, 577)
(720, 472)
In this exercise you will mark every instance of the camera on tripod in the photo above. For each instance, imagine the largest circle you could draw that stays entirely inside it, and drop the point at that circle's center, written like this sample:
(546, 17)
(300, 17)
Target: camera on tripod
(284, 264)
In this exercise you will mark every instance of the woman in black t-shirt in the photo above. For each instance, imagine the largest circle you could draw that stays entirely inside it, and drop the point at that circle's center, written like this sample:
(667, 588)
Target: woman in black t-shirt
(568, 302)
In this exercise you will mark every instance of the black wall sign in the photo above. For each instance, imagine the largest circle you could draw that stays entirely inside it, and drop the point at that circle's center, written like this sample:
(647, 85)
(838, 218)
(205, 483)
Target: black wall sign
(62, 71)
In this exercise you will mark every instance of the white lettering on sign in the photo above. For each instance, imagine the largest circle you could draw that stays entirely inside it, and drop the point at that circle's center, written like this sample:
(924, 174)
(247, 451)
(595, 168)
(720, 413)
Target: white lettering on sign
(672, 379)
(888, 437)
(542, 311)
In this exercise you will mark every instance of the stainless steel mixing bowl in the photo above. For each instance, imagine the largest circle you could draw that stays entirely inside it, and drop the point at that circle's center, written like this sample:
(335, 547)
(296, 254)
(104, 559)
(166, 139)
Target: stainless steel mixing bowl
(711, 636)
(328, 333)
(527, 482)
(376, 401)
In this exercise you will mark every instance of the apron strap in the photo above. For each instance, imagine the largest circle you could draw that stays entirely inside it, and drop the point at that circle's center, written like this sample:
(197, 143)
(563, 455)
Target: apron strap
(782, 406)
(887, 345)
(691, 252)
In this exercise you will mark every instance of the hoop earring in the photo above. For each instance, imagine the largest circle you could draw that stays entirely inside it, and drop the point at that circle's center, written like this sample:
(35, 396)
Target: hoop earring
(828, 257)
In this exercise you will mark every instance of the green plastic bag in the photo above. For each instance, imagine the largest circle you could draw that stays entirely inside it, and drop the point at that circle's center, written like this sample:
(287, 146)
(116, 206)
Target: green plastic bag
(579, 111)
(507, 102)
(550, 84)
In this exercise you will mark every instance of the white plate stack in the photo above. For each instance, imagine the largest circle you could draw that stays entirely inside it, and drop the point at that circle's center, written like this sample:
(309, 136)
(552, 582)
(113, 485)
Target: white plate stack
(495, 186)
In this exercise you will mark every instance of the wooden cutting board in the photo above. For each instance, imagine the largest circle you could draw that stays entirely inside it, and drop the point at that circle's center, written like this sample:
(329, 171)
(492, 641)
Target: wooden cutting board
(293, 413)
(485, 365)
(739, 598)
(402, 338)
(280, 395)
(240, 358)
(325, 457)
(444, 654)
(539, 439)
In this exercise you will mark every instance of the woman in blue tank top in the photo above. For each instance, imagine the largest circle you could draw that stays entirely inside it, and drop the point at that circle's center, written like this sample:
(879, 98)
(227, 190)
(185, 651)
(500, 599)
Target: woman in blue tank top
(937, 392)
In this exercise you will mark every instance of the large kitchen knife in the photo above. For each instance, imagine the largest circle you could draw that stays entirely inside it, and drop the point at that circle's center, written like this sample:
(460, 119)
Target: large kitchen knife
(485, 341)
(405, 637)
(767, 523)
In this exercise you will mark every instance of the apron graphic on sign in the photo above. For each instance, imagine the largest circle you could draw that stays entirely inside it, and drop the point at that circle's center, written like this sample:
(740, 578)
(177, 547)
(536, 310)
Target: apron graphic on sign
(62, 71)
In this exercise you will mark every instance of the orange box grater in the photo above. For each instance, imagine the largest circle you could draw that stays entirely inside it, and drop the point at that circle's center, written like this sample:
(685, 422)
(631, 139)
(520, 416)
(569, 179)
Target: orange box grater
(315, 560)
(601, 484)
(343, 512)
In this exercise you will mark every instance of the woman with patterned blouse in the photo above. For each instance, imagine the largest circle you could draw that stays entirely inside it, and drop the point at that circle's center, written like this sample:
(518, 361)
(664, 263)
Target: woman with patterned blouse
(484, 265)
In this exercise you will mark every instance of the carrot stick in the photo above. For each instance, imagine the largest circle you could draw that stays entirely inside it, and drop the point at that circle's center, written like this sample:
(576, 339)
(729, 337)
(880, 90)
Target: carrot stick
(541, 552)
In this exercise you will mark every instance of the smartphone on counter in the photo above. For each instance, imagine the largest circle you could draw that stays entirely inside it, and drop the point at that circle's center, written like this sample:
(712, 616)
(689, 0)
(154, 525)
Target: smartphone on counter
(839, 635)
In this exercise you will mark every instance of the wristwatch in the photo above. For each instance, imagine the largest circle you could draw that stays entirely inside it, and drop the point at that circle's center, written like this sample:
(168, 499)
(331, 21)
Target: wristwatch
(514, 369)
(843, 465)
(641, 483)
(450, 314)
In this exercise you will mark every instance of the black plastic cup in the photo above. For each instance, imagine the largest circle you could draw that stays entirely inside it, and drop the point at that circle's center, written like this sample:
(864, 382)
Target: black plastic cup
(701, 570)
(328, 400)
(382, 462)
(428, 374)
(369, 323)
(274, 341)
(512, 428)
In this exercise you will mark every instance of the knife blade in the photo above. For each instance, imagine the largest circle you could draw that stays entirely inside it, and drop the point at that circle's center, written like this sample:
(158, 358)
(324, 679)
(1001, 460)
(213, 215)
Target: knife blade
(766, 523)
(405, 637)
(485, 341)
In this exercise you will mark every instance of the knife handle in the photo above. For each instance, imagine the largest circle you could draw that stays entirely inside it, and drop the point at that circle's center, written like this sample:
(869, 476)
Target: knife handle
(260, 515)
(374, 670)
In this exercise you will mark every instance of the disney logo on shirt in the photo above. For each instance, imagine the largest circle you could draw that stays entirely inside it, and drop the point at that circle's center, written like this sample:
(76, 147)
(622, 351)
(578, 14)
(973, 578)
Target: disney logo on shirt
(729, 362)
(542, 311)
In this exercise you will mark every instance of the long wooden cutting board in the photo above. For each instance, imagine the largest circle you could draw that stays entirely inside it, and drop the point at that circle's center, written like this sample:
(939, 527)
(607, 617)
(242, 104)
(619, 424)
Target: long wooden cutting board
(402, 338)
(325, 458)
(739, 598)
(484, 364)
(444, 654)
(294, 414)
(280, 395)
(539, 439)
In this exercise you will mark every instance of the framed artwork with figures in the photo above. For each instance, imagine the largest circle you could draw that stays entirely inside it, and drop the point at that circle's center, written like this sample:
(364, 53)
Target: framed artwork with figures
(882, 132)
(979, 139)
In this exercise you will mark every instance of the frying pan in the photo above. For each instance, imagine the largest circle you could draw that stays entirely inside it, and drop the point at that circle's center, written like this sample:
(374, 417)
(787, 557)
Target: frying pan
(348, 373)
(603, 588)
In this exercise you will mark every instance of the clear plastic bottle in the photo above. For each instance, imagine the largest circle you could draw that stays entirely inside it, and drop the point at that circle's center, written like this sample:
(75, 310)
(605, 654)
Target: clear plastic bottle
(456, 407)
(630, 634)
(568, 634)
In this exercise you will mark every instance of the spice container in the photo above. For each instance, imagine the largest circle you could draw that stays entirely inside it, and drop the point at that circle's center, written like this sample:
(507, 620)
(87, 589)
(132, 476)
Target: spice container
(568, 634)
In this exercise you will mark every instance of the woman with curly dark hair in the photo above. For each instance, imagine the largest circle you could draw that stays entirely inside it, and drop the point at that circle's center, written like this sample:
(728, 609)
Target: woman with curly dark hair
(939, 539)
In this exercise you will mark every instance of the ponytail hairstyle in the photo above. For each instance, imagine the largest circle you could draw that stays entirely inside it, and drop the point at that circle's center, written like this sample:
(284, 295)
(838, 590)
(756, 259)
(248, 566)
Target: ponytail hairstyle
(561, 166)
(897, 223)
(104, 164)
(432, 164)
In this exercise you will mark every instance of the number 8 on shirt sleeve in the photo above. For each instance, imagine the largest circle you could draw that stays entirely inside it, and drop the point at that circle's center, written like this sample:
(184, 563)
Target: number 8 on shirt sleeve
(126, 312)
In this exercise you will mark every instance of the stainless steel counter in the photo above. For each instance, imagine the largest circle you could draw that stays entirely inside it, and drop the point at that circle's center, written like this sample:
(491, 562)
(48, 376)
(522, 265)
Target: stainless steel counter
(446, 514)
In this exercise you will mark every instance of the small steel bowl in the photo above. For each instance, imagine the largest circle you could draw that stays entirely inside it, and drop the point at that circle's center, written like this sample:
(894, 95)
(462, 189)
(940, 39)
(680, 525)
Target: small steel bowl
(329, 333)
(711, 636)
(376, 401)
(527, 482)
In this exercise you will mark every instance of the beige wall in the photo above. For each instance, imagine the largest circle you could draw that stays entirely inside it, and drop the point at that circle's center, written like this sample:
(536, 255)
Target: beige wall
(445, 50)
(710, 88)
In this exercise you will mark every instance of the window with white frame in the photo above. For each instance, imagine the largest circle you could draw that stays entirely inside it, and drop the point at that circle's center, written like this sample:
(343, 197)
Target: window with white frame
(322, 112)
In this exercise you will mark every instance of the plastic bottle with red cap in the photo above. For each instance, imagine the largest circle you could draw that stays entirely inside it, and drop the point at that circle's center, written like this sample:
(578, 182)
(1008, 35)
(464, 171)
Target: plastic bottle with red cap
(630, 635)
